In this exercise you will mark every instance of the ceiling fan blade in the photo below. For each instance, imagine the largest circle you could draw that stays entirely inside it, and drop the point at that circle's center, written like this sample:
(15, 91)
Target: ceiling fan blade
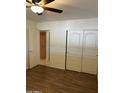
(39, 13)
(47, 1)
(53, 9)
(28, 6)
(29, 1)
(36, 1)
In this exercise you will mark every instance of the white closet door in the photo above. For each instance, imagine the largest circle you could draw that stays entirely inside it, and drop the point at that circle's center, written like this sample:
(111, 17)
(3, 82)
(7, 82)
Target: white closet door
(74, 50)
(90, 52)
(32, 62)
(27, 50)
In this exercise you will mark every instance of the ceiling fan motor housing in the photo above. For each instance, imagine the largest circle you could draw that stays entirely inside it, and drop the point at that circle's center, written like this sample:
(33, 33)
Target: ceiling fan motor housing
(36, 1)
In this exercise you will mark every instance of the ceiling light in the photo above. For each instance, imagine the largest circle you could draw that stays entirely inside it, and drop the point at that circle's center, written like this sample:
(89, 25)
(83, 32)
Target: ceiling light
(37, 9)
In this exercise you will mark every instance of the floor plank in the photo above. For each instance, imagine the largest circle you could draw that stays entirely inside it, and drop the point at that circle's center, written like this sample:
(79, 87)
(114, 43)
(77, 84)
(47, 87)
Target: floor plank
(52, 80)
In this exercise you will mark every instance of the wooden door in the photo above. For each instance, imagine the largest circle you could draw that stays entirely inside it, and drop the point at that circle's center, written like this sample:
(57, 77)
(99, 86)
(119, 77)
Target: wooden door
(43, 45)
(90, 52)
(74, 50)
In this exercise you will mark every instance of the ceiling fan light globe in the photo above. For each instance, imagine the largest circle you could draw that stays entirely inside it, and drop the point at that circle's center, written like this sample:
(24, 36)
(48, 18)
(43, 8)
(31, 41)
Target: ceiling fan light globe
(37, 9)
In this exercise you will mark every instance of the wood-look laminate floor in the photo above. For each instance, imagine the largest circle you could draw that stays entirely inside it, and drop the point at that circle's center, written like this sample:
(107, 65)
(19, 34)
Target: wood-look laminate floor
(51, 80)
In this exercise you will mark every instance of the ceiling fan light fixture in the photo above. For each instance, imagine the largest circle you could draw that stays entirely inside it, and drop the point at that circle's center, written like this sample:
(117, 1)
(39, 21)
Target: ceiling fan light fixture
(37, 9)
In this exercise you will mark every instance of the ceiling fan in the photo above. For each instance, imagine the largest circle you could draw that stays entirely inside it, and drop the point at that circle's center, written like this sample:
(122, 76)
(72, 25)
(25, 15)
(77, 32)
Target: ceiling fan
(38, 6)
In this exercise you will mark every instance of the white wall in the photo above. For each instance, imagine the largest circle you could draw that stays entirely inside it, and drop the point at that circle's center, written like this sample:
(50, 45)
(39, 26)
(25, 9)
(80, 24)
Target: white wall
(33, 42)
(58, 36)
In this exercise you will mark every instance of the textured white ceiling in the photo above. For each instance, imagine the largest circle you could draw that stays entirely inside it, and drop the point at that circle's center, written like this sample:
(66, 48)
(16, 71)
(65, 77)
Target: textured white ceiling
(72, 9)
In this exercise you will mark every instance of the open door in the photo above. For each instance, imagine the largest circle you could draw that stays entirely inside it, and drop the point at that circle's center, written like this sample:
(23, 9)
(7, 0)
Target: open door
(44, 47)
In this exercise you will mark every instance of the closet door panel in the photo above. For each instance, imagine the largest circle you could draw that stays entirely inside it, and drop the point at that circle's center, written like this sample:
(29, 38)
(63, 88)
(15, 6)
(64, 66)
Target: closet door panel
(90, 52)
(74, 50)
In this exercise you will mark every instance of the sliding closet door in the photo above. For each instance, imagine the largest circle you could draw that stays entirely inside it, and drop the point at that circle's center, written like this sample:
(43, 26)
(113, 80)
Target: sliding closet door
(90, 52)
(74, 50)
